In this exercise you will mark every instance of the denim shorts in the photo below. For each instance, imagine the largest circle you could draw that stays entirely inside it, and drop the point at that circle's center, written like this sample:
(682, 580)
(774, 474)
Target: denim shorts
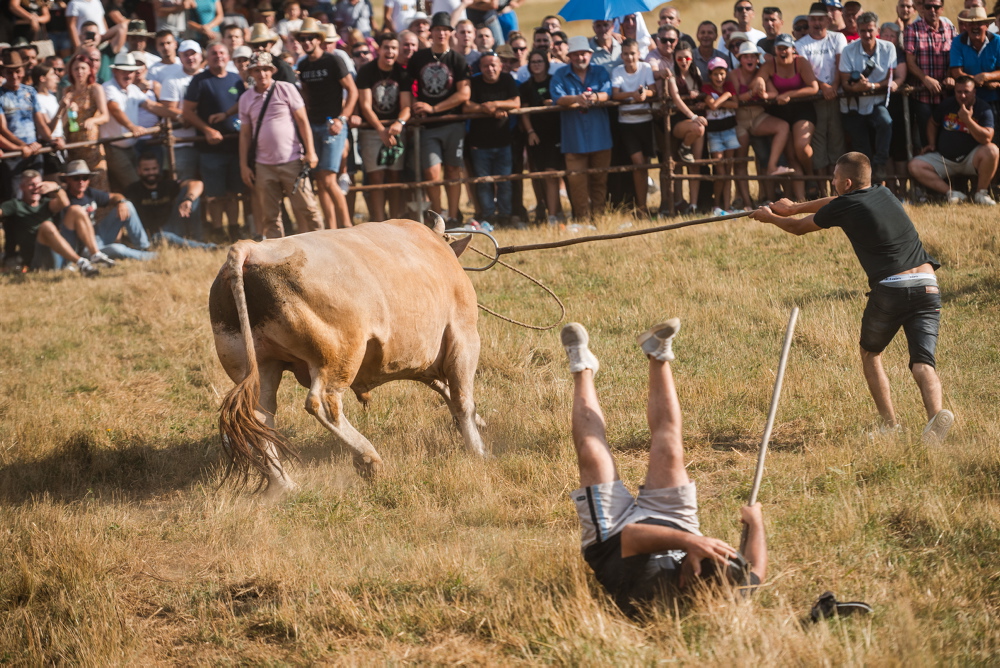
(329, 148)
(917, 310)
(724, 140)
(220, 172)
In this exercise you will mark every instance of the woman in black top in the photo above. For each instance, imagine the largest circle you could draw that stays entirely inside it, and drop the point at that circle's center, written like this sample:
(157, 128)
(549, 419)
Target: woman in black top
(543, 131)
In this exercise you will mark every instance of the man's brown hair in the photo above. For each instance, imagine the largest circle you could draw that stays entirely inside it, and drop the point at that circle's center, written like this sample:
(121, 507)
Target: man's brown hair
(856, 167)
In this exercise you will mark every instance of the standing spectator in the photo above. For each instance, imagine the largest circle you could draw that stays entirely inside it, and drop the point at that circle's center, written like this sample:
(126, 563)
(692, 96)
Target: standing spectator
(632, 83)
(233, 38)
(30, 21)
(29, 221)
(398, 14)
(325, 79)
(706, 51)
(484, 13)
(494, 93)
(606, 51)
(263, 39)
(137, 37)
(906, 13)
(421, 27)
(959, 143)
(586, 130)
(172, 96)
(210, 98)
(168, 208)
(835, 11)
(633, 26)
(773, 24)
(560, 49)
(786, 78)
(928, 51)
(671, 16)
(543, 133)
(384, 103)
(800, 26)
(276, 150)
(552, 23)
(976, 53)
(289, 23)
(867, 66)
(744, 15)
(169, 66)
(408, 46)
(484, 39)
(235, 14)
(852, 10)
(720, 110)
(465, 43)
(822, 48)
(356, 14)
(542, 42)
(78, 13)
(204, 19)
(83, 110)
(440, 81)
(47, 85)
(26, 124)
(661, 59)
(124, 99)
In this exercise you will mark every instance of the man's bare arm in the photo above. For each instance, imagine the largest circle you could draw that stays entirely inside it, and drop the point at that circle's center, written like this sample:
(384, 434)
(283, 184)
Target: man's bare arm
(796, 226)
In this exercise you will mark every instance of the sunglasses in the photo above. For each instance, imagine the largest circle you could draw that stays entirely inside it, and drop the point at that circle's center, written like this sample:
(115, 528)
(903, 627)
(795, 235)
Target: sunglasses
(362, 53)
(933, 8)
(77, 178)
(684, 59)
(559, 43)
(60, 70)
(519, 48)
(668, 40)
(744, 9)
(302, 39)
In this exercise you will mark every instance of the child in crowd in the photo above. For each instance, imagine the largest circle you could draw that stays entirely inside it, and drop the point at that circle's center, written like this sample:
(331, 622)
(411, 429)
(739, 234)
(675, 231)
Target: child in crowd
(720, 110)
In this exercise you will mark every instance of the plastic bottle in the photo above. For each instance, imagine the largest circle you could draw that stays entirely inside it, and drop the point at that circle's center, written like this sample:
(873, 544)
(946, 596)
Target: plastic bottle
(72, 125)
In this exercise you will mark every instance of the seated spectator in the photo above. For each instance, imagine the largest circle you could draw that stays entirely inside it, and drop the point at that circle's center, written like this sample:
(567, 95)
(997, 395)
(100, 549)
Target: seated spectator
(83, 110)
(168, 208)
(494, 93)
(959, 143)
(543, 135)
(124, 99)
(786, 78)
(586, 138)
(632, 83)
(682, 87)
(29, 221)
(867, 65)
(80, 216)
(976, 53)
(384, 103)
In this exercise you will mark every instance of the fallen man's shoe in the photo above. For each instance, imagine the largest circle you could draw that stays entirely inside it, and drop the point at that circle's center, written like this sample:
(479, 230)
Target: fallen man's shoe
(828, 606)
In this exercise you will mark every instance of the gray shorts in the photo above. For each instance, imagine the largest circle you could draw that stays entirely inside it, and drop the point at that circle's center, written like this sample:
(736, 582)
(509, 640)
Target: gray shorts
(370, 144)
(609, 507)
(442, 144)
(946, 168)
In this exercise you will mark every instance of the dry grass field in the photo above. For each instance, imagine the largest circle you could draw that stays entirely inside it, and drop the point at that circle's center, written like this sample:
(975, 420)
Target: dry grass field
(119, 548)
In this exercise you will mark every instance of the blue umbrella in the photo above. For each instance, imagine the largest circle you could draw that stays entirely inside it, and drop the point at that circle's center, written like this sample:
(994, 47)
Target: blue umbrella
(596, 10)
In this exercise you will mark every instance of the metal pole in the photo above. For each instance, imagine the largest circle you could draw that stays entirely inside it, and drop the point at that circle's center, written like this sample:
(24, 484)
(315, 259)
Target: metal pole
(759, 473)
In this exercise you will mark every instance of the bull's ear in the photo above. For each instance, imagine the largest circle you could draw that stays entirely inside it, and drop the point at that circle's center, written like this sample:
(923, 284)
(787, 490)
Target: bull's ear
(459, 246)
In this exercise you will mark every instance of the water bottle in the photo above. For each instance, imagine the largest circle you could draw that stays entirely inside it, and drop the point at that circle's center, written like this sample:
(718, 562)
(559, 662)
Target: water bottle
(238, 123)
(72, 125)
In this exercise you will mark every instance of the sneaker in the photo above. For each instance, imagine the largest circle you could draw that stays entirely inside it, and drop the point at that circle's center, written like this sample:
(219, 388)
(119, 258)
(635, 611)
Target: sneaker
(87, 269)
(100, 258)
(344, 181)
(983, 197)
(685, 154)
(553, 220)
(691, 209)
(719, 212)
(938, 426)
(657, 341)
(574, 340)
(954, 197)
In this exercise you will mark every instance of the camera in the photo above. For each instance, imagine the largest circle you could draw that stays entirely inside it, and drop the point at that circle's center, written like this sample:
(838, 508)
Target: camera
(855, 76)
(89, 36)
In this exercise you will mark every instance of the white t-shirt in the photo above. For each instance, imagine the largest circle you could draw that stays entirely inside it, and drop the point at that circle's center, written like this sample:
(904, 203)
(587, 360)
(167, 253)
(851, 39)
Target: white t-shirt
(128, 100)
(753, 35)
(173, 90)
(87, 10)
(822, 54)
(164, 72)
(623, 81)
(287, 26)
(50, 107)
(402, 13)
(446, 6)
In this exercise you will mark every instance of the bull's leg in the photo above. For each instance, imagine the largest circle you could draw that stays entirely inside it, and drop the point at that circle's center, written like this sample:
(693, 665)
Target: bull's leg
(442, 388)
(279, 482)
(460, 374)
(327, 406)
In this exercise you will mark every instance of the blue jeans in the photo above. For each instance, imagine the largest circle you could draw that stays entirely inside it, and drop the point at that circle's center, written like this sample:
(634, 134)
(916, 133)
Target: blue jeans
(858, 128)
(186, 229)
(107, 231)
(493, 162)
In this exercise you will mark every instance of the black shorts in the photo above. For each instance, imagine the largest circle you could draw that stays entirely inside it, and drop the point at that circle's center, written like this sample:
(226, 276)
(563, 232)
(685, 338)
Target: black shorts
(793, 112)
(917, 310)
(545, 157)
(638, 138)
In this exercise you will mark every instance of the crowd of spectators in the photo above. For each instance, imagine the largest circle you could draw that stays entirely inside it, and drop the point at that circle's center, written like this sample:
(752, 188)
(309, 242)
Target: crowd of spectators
(294, 102)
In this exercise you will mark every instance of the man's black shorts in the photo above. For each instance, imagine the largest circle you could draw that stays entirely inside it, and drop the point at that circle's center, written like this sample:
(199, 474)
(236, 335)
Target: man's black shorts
(917, 310)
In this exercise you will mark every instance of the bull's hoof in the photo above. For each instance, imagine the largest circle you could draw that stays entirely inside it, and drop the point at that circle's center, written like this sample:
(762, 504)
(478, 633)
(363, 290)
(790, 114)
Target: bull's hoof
(278, 489)
(480, 422)
(367, 466)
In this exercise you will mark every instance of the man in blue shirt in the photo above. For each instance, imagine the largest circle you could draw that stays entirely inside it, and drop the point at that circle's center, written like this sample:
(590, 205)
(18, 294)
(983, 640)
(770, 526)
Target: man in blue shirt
(586, 132)
(24, 121)
(976, 53)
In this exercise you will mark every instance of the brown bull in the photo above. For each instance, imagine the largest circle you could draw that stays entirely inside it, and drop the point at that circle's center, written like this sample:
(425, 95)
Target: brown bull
(352, 308)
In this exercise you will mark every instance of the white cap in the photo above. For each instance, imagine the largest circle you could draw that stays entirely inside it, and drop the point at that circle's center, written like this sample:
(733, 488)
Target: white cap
(242, 51)
(189, 45)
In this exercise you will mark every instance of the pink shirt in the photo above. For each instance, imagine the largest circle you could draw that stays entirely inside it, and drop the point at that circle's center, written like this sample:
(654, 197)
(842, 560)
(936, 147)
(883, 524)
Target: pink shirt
(277, 143)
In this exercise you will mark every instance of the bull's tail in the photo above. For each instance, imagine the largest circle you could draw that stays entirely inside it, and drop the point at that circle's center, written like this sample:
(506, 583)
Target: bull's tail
(252, 445)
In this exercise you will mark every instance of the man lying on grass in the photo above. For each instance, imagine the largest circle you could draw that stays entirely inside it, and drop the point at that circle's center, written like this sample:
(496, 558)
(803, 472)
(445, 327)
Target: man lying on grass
(904, 289)
(648, 547)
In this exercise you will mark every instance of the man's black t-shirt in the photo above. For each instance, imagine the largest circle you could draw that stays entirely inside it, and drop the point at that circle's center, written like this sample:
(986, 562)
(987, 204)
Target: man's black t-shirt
(433, 77)
(534, 94)
(321, 87)
(154, 206)
(881, 233)
(491, 132)
(285, 71)
(954, 141)
(91, 200)
(385, 87)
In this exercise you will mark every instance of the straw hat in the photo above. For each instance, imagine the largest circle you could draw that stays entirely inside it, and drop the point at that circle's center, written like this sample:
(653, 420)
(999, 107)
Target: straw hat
(261, 34)
(311, 26)
(77, 168)
(12, 60)
(974, 15)
(125, 62)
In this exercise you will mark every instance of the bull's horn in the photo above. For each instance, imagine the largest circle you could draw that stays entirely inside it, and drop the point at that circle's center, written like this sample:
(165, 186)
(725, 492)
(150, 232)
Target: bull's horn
(438, 223)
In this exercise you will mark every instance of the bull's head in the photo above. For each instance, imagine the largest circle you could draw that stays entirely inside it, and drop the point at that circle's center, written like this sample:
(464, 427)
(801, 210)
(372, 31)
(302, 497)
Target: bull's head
(458, 245)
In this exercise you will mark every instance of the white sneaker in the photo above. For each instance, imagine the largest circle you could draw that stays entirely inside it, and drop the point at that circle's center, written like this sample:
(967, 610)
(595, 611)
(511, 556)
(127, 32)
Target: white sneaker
(87, 269)
(657, 341)
(344, 181)
(100, 258)
(574, 340)
(955, 197)
(938, 426)
(983, 197)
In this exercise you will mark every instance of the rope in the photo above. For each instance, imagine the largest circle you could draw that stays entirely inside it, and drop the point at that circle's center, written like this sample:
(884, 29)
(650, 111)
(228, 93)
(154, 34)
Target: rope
(562, 307)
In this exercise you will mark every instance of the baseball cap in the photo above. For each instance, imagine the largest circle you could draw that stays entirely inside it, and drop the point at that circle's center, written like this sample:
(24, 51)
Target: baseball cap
(784, 39)
(189, 45)
(833, 4)
(716, 63)
(242, 51)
